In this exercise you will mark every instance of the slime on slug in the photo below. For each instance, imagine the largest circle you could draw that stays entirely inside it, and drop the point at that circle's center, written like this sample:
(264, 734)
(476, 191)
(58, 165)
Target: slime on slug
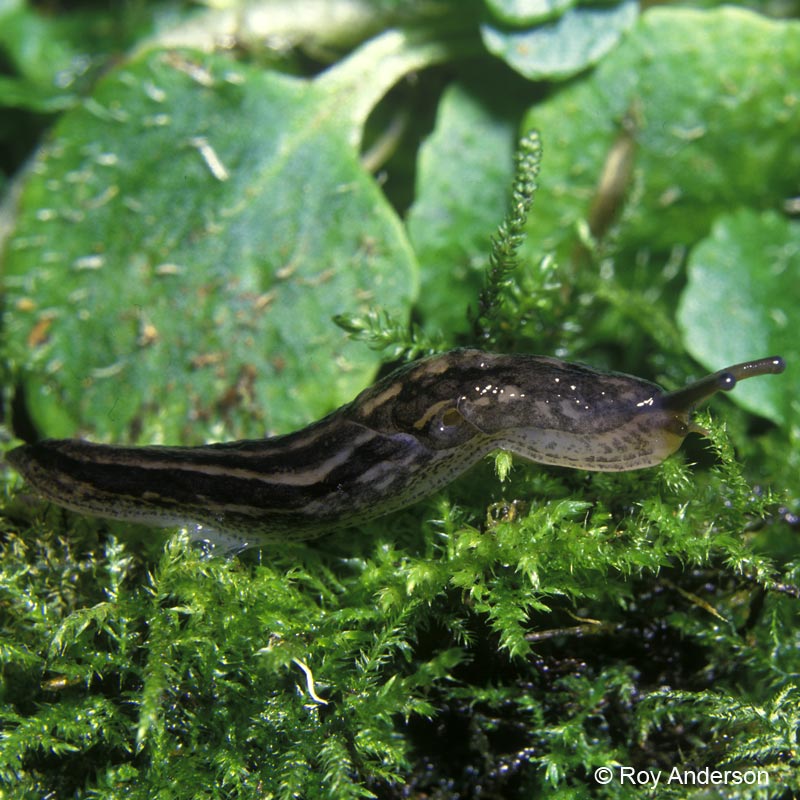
(397, 442)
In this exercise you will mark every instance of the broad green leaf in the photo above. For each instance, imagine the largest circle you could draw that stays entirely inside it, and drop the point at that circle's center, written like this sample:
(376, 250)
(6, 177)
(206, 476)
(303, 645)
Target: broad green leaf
(463, 175)
(315, 26)
(50, 59)
(713, 103)
(185, 239)
(564, 47)
(35, 55)
(31, 42)
(19, 93)
(524, 12)
(742, 301)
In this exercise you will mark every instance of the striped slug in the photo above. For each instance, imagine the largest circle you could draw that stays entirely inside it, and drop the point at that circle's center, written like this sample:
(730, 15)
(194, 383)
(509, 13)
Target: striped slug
(397, 442)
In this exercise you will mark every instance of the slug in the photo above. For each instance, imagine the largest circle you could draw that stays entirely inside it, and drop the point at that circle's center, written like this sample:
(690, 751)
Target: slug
(397, 442)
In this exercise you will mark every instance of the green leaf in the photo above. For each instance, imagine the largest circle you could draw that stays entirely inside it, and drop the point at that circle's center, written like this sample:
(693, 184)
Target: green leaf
(16, 93)
(34, 54)
(464, 171)
(49, 59)
(31, 42)
(525, 12)
(711, 100)
(742, 301)
(185, 239)
(560, 49)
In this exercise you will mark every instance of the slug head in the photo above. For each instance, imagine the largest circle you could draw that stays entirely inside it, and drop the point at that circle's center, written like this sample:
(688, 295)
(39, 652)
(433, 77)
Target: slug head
(540, 408)
(573, 416)
(553, 412)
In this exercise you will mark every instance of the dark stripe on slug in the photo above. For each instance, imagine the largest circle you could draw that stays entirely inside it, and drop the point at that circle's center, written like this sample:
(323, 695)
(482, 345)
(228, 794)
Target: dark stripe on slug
(184, 476)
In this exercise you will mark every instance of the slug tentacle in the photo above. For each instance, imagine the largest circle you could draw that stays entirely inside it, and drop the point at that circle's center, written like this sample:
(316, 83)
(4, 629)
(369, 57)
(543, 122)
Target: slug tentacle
(397, 442)
(690, 396)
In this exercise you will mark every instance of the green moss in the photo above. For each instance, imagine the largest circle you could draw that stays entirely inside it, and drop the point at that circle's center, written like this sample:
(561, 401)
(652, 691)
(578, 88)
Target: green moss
(627, 622)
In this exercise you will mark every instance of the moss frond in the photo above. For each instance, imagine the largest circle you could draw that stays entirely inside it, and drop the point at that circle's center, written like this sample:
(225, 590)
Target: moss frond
(510, 235)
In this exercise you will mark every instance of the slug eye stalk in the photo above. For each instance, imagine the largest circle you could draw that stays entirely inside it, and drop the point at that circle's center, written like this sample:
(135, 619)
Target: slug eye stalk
(722, 381)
